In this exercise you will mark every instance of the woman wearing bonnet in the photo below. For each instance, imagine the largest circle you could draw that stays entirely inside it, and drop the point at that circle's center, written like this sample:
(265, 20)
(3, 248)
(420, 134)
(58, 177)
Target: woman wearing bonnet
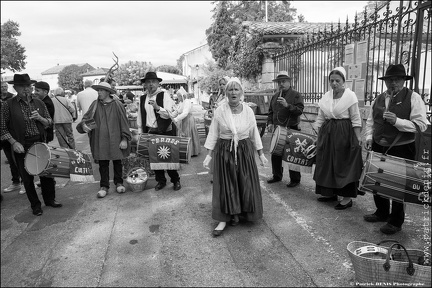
(232, 141)
(338, 160)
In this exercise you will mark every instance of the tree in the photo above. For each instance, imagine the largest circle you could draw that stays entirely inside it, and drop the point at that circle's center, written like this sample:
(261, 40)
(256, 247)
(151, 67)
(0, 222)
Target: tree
(212, 73)
(169, 69)
(131, 72)
(231, 48)
(12, 53)
(70, 77)
(180, 63)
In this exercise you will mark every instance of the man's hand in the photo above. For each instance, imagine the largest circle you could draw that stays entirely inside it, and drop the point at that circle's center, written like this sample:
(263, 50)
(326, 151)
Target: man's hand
(368, 144)
(390, 117)
(270, 128)
(282, 101)
(123, 144)
(154, 104)
(17, 147)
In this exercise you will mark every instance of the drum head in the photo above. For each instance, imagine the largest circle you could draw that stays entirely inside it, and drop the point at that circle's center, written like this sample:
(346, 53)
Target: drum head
(275, 139)
(37, 158)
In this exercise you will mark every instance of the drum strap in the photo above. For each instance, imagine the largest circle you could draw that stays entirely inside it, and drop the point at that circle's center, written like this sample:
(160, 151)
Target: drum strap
(398, 136)
(65, 140)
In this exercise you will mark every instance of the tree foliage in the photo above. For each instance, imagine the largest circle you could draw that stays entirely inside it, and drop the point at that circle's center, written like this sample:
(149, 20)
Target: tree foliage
(12, 53)
(169, 69)
(211, 75)
(70, 77)
(228, 44)
(131, 72)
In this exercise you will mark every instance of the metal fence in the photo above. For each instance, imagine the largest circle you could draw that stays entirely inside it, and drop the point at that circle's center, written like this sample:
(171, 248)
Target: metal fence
(399, 32)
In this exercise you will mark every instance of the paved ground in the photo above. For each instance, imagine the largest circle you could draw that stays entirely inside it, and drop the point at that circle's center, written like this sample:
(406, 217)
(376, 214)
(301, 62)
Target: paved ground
(164, 238)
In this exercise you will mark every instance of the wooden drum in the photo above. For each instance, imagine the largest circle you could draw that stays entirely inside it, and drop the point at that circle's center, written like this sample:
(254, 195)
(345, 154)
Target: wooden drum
(184, 144)
(278, 140)
(43, 160)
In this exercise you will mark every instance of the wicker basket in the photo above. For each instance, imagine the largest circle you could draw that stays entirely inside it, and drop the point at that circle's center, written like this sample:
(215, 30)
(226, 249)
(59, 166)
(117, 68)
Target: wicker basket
(376, 265)
(136, 180)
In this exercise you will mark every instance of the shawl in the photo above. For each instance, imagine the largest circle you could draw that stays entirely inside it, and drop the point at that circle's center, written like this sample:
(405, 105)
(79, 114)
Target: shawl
(224, 116)
(347, 100)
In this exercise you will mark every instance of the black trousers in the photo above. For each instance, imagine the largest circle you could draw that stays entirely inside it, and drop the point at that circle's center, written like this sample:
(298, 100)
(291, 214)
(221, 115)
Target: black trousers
(7, 148)
(104, 172)
(47, 183)
(277, 168)
(397, 213)
(160, 174)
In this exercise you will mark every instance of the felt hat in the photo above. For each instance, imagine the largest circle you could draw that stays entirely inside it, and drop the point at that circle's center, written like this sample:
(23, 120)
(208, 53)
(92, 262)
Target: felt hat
(42, 85)
(149, 76)
(104, 86)
(397, 70)
(282, 75)
(22, 79)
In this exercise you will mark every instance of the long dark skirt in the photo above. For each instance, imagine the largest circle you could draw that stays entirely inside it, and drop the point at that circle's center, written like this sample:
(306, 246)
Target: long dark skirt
(339, 160)
(236, 188)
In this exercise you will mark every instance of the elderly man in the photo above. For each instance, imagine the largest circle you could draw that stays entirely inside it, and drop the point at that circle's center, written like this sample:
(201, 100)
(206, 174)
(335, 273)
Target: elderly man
(110, 138)
(7, 149)
(24, 122)
(154, 117)
(63, 119)
(86, 97)
(285, 109)
(394, 127)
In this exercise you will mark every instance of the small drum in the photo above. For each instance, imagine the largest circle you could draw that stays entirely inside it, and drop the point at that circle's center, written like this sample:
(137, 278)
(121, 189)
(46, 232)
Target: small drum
(396, 178)
(43, 160)
(184, 143)
(278, 140)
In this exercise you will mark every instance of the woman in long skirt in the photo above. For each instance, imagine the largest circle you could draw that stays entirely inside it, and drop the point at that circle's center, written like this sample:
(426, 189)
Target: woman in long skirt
(339, 160)
(232, 141)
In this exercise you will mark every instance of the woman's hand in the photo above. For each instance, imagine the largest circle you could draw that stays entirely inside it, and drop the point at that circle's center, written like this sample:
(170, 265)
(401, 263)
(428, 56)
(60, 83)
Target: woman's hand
(123, 144)
(206, 162)
(263, 160)
(85, 128)
(368, 144)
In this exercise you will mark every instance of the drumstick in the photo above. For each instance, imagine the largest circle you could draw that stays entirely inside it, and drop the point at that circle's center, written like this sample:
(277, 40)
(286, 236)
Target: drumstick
(33, 155)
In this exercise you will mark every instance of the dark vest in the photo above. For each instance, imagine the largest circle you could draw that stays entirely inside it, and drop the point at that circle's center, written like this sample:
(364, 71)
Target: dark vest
(50, 106)
(16, 124)
(163, 124)
(401, 106)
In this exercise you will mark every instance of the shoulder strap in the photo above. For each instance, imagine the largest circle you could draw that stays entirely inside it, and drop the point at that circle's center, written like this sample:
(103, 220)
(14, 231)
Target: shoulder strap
(62, 104)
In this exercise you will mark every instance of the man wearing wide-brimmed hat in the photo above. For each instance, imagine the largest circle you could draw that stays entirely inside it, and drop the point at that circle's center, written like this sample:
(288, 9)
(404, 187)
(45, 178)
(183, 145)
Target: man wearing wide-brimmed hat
(155, 115)
(24, 122)
(110, 139)
(285, 109)
(392, 124)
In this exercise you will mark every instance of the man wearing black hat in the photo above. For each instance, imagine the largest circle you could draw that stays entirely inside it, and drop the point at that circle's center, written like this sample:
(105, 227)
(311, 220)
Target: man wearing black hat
(392, 124)
(285, 109)
(155, 117)
(24, 122)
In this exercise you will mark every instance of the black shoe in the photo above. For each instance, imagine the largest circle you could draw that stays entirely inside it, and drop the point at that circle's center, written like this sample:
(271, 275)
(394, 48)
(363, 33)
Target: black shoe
(390, 229)
(292, 184)
(217, 233)
(374, 218)
(339, 206)
(37, 211)
(177, 186)
(328, 199)
(273, 180)
(54, 204)
(159, 186)
(234, 223)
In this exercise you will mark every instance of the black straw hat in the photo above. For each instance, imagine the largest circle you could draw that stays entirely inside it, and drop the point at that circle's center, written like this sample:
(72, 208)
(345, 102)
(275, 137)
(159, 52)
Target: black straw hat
(149, 76)
(22, 79)
(397, 70)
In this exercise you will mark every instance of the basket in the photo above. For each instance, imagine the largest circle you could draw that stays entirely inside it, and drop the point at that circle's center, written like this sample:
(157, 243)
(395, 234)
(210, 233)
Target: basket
(136, 180)
(375, 265)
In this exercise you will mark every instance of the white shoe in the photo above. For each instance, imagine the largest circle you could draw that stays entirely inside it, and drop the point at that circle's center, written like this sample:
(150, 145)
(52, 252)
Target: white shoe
(120, 188)
(12, 187)
(22, 190)
(102, 192)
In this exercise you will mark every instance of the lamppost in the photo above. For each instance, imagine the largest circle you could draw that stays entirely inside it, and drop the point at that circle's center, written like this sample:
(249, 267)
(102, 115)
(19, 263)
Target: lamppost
(196, 70)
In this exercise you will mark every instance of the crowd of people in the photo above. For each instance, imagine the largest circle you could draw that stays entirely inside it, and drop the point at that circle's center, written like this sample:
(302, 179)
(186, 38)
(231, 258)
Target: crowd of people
(233, 139)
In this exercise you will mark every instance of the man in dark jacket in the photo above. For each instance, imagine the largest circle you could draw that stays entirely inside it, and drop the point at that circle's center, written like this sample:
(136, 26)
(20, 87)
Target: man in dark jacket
(24, 123)
(6, 147)
(285, 109)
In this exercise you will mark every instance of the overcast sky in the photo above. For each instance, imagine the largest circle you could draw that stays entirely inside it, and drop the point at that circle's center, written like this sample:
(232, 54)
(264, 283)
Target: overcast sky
(159, 32)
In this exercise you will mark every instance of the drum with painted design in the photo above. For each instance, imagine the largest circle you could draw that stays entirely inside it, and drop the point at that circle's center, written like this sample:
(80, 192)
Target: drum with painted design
(184, 144)
(278, 140)
(44, 160)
